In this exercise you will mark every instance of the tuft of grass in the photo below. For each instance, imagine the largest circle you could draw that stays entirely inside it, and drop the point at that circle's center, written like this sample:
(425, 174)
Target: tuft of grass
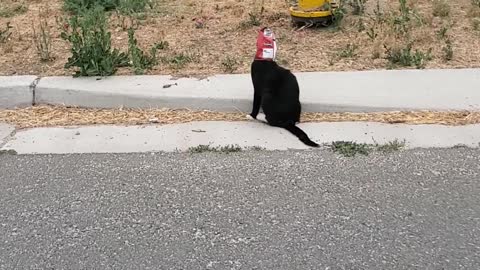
(215, 149)
(8, 152)
(476, 24)
(139, 59)
(390, 147)
(447, 50)
(358, 6)
(440, 8)
(11, 11)
(230, 64)
(442, 33)
(402, 21)
(5, 33)
(254, 19)
(350, 149)
(42, 38)
(179, 60)
(406, 57)
(349, 51)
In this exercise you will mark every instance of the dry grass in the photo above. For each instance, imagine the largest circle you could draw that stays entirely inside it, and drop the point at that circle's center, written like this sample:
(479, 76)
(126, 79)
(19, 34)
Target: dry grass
(44, 116)
(221, 36)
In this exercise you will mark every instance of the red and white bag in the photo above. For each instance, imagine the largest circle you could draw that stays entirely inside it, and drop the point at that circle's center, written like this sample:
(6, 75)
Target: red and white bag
(266, 45)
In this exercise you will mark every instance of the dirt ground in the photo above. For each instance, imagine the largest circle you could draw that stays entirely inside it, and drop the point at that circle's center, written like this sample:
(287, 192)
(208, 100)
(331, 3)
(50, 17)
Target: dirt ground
(219, 37)
(46, 116)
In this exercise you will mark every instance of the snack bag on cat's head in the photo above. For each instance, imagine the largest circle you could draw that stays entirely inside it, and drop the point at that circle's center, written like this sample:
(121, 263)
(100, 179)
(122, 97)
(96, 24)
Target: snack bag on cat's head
(266, 45)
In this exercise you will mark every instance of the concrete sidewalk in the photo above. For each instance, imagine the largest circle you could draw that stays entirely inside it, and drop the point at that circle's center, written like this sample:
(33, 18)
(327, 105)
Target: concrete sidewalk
(119, 139)
(365, 91)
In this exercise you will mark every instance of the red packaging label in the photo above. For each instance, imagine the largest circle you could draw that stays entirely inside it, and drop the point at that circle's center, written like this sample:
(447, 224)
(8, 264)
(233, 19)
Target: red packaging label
(266, 45)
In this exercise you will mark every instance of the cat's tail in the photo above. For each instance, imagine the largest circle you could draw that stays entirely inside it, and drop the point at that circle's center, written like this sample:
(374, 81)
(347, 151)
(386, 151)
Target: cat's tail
(301, 135)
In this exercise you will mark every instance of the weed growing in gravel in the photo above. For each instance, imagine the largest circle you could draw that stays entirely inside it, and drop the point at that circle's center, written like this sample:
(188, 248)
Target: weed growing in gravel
(392, 146)
(91, 49)
(215, 149)
(350, 149)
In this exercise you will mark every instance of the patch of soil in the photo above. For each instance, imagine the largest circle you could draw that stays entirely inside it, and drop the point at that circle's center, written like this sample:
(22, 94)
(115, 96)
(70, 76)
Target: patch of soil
(222, 39)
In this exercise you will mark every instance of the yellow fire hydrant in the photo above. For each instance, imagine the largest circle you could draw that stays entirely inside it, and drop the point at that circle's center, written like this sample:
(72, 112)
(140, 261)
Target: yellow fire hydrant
(313, 11)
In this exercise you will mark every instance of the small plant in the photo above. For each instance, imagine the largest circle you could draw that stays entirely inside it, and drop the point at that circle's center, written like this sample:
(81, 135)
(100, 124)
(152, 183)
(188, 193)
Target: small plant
(91, 45)
(372, 35)
(440, 8)
(253, 20)
(215, 149)
(442, 33)
(350, 149)
(405, 57)
(42, 39)
(5, 33)
(349, 51)
(476, 3)
(476, 24)
(162, 45)
(124, 6)
(80, 6)
(358, 6)
(179, 60)
(379, 16)
(337, 15)
(229, 64)
(139, 60)
(402, 21)
(447, 50)
(390, 147)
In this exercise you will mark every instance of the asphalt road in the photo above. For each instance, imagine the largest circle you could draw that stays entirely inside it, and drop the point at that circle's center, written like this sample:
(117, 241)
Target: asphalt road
(253, 210)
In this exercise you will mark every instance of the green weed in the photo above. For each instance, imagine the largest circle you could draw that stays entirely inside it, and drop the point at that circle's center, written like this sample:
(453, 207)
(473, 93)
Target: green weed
(405, 57)
(230, 64)
(392, 146)
(42, 38)
(349, 51)
(139, 60)
(215, 149)
(5, 33)
(350, 149)
(91, 45)
(447, 50)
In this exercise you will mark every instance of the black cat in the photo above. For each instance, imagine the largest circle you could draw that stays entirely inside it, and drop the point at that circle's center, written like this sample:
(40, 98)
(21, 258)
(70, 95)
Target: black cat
(276, 90)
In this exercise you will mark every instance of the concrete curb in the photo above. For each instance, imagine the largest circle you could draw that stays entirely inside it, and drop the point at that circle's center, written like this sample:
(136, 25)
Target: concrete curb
(16, 91)
(5, 132)
(168, 138)
(363, 91)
